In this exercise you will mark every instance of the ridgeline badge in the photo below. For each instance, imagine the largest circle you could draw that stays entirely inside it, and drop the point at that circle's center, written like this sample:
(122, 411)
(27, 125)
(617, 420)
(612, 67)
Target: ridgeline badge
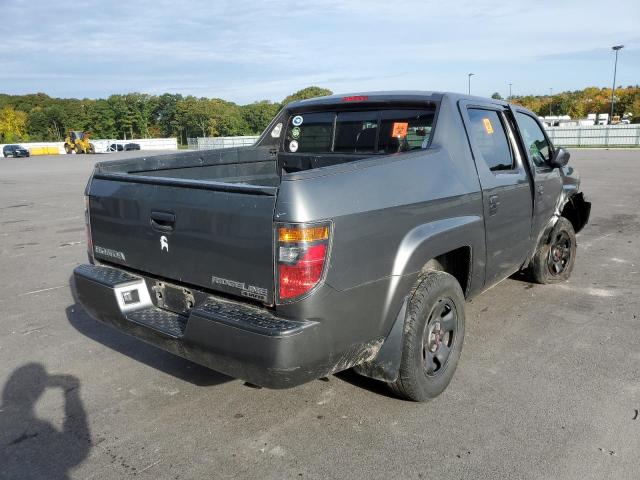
(107, 252)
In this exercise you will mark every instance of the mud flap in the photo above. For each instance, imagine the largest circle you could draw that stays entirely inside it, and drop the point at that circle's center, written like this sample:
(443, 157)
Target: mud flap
(385, 366)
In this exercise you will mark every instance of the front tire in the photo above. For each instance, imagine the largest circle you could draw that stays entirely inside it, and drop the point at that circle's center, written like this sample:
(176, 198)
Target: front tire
(554, 260)
(433, 337)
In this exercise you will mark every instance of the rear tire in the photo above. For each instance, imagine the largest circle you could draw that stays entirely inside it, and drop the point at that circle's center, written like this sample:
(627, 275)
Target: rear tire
(554, 260)
(433, 337)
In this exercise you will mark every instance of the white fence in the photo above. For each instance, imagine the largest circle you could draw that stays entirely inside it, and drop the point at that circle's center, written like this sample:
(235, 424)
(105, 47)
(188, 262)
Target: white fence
(102, 145)
(213, 143)
(595, 135)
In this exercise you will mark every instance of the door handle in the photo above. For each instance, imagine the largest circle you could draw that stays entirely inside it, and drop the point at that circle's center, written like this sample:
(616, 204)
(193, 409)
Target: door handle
(494, 201)
(163, 221)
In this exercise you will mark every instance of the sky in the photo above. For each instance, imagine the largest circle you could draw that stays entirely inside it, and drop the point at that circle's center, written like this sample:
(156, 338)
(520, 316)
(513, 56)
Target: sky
(246, 51)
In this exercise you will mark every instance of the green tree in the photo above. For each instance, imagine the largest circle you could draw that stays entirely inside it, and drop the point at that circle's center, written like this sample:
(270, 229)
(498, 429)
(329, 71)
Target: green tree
(309, 92)
(225, 119)
(257, 115)
(192, 115)
(101, 120)
(13, 125)
(164, 114)
(496, 96)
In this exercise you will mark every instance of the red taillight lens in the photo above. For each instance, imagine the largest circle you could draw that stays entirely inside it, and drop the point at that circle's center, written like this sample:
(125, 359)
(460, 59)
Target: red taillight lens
(299, 278)
(302, 253)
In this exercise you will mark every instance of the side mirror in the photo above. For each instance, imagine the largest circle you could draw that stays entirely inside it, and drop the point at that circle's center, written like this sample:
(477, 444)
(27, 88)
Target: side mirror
(560, 158)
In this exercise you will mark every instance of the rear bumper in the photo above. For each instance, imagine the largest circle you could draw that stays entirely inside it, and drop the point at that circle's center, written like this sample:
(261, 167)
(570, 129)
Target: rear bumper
(234, 338)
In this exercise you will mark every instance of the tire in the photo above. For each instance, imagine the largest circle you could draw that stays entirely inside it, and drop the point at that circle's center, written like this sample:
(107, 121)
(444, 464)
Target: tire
(92, 148)
(433, 337)
(554, 260)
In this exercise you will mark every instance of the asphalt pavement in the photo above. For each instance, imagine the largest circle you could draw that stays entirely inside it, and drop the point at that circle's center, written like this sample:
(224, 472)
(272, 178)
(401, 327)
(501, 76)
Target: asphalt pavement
(547, 387)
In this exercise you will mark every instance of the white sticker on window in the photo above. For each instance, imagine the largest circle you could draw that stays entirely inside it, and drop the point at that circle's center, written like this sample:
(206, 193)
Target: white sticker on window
(275, 133)
(293, 146)
(297, 120)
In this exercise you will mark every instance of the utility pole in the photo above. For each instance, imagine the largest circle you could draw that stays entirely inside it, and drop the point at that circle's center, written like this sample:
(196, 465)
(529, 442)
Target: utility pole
(470, 75)
(615, 48)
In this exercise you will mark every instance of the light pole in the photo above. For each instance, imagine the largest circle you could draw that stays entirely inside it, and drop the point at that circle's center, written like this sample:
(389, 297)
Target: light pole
(470, 75)
(615, 48)
(510, 92)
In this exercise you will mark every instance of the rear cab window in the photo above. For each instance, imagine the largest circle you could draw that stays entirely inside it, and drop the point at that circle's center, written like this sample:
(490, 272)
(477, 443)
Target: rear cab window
(370, 131)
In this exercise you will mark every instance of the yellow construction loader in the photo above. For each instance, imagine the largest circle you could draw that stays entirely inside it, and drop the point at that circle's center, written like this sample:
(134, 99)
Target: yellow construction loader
(78, 142)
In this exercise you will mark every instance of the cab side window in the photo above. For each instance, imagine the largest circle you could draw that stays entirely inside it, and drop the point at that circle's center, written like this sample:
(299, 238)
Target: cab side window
(534, 139)
(490, 139)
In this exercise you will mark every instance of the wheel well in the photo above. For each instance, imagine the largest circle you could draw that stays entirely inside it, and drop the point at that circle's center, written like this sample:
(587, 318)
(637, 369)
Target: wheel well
(456, 263)
(577, 210)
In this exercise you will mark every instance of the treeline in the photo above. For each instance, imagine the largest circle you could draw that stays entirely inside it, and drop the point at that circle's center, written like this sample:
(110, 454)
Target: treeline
(38, 117)
(579, 103)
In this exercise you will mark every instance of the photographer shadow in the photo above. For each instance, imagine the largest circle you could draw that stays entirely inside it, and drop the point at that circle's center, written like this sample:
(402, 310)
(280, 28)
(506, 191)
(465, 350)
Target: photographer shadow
(31, 447)
(138, 350)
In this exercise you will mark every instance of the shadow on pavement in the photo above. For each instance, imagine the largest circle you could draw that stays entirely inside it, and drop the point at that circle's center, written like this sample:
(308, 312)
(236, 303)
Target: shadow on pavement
(31, 447)
(140, 351)
(366, 383)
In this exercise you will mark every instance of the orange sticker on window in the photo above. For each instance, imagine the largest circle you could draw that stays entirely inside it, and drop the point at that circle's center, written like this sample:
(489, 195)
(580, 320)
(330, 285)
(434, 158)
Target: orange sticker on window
(487, 125)
(399, 129)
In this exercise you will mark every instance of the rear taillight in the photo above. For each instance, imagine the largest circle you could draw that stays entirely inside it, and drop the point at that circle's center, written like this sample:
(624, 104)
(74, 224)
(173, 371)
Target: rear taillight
(303, 250)
(87, 224)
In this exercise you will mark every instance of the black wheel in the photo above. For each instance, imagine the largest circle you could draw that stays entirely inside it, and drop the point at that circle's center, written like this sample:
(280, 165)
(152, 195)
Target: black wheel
(434, 332)
(553, 261)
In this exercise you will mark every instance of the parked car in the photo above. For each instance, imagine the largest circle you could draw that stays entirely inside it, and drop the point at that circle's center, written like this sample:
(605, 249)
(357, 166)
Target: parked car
(132, 146)
(116, 147)
(350, 235)
(15, 151)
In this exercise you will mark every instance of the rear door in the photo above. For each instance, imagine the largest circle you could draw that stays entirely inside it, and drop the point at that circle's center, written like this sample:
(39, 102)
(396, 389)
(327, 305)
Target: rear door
(216, 236)
(506, 189)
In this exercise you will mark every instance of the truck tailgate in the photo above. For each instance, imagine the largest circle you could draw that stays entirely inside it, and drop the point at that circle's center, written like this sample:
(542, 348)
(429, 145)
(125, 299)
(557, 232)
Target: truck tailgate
(209, 234)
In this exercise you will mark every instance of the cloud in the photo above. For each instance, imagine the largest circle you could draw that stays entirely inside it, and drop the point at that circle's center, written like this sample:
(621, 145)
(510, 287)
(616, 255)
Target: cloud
(247, 50)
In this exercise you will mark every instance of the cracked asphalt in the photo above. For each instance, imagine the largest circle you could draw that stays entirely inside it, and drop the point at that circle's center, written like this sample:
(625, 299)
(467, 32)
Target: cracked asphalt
(547, 387)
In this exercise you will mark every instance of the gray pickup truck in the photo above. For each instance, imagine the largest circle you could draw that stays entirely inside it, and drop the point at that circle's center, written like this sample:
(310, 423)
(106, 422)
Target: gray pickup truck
(349, 235)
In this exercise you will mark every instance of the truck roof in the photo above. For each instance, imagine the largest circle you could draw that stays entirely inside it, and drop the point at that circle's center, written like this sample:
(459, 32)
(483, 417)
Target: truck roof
(386, 96)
